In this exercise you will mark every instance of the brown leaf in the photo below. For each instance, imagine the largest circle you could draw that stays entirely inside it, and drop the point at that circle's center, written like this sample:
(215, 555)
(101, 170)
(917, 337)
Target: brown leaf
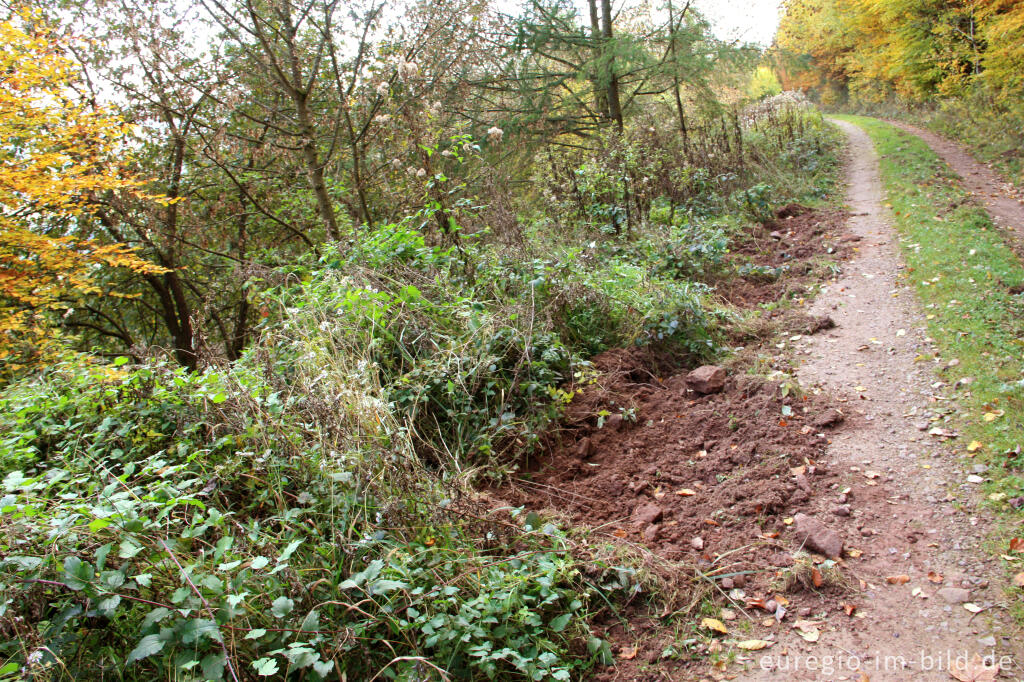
(816, 577)
(619, 533)
(934, 577)
(1017, 544)
(974, 671)
(848, 608)
(628, 654)
(898, 579)
(1018, 580)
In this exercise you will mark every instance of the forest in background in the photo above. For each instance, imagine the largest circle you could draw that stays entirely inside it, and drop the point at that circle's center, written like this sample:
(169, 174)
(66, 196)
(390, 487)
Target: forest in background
(286, 281)
(954, 66)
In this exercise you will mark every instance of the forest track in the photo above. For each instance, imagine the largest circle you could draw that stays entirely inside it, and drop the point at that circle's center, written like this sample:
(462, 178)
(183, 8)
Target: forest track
(919, 517)
(1003, 201)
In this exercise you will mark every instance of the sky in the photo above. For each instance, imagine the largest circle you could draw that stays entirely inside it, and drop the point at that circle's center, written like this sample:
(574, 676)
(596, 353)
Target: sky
(751, 21)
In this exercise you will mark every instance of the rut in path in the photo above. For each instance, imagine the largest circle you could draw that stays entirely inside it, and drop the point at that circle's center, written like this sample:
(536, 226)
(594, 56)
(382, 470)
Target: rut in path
(906, 523)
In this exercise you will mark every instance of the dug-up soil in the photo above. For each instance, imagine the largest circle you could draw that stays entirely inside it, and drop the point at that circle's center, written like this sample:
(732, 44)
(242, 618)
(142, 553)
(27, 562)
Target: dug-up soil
(709, 481)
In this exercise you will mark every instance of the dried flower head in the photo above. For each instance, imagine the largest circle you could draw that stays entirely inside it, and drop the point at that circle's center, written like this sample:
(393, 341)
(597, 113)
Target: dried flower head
(494, 134)
(396, 164)
(421, 173)
(383, 89)
(407, 70)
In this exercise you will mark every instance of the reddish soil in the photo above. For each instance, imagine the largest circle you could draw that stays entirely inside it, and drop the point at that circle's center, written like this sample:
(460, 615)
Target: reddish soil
(679, 465)
(797, 238)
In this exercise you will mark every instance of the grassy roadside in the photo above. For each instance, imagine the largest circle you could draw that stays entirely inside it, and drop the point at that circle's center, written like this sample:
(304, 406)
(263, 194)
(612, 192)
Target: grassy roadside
(963, 273)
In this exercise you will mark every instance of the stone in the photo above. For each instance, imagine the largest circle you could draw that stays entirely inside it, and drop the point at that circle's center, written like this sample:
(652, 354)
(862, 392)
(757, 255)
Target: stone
(728, 583)
(647, 513)
(828, 418)
(651, 532)
(841, 510)
(697, 542)
(817, 537)
(706, 379)
(954, 595)
(585, 449)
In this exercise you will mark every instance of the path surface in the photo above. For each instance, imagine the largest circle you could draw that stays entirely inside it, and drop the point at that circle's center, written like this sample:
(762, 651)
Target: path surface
(919, 515)
(1002, 200)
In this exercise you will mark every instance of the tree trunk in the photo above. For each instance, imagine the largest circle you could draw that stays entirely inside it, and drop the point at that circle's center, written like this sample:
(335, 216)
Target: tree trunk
(614, 105)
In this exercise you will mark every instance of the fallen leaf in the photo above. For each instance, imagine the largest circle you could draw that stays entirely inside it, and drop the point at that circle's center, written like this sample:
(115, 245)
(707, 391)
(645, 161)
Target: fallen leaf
(816, 577)
(854, 553)
(898, 579)
(807, 629)
(1018, 580)
(1017, 544)
(872, 474)
(628, 654)
(714, 624)
(686, 492)
(779, 599)
(848, 608)
(975, 670)
(992, 416)
(973, 608)
(974, 446)
(753, 644)
(619, 533)
(934, 577)
(918, 592)
(789, 522)
(728, 614)
(798, 471)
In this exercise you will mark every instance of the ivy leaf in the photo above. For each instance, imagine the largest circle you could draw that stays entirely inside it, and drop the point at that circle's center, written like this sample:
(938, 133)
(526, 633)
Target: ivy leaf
(147, 646)
(282, 606)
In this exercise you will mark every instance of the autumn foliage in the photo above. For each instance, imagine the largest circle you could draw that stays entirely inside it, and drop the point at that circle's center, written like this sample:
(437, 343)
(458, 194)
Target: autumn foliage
(909, 49)
(58, 155)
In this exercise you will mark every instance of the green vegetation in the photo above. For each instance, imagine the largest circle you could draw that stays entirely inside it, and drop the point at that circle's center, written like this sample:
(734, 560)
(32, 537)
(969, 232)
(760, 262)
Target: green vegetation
(970, 283)
(307, 509)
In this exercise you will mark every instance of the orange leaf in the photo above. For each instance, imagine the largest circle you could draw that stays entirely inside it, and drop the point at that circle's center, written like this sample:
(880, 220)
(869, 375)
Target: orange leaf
(898, 579)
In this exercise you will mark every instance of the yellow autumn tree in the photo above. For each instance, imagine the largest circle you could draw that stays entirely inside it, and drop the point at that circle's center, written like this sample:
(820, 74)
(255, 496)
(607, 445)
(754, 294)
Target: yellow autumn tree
(58, 155)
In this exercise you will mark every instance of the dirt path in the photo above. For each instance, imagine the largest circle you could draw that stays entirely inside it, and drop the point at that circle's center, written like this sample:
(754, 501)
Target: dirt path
(1004, 202)
(919, 516)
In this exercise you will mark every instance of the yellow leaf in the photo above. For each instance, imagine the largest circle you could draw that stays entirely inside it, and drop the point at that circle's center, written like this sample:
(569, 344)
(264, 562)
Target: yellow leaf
(714, 624)
(753, 644)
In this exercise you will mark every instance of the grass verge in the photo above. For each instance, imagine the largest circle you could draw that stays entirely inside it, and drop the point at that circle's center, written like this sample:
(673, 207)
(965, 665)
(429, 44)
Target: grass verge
(965, 275)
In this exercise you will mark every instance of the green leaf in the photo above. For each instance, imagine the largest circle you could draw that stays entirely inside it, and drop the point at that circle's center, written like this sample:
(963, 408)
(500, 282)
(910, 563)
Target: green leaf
(194, 630)
(385, 586)
(558, 623)
(218, 398)
(77, 574)
(259, 562)
(256, 633)
(282, 606)
(147, 646)
(265, 666)
(213, 666)
(119, 361)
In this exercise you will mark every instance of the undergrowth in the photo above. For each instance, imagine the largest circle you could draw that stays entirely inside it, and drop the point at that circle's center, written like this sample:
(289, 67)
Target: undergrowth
(308, 510)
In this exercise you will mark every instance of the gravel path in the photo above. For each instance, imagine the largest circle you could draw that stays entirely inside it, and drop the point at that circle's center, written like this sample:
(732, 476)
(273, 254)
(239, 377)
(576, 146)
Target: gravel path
(914, 511)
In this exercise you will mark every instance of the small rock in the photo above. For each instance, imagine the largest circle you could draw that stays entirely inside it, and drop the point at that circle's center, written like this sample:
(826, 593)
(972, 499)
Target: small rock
(740, 580)
(651, 532)
(841, 510)
(697, 542)
(820, 323)
(1016, 502)
(817, 537)
(706, 379)
(974, 478)
(728, 583)
(987, 642)
(802, 482)
(615, 422)
(843, 498)
(954, 595)
(585, 449)
(804, 612)
(979, 468)
(647, 513)
(775, 234)
(866, 532)
(828, 418)
(771, 605)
